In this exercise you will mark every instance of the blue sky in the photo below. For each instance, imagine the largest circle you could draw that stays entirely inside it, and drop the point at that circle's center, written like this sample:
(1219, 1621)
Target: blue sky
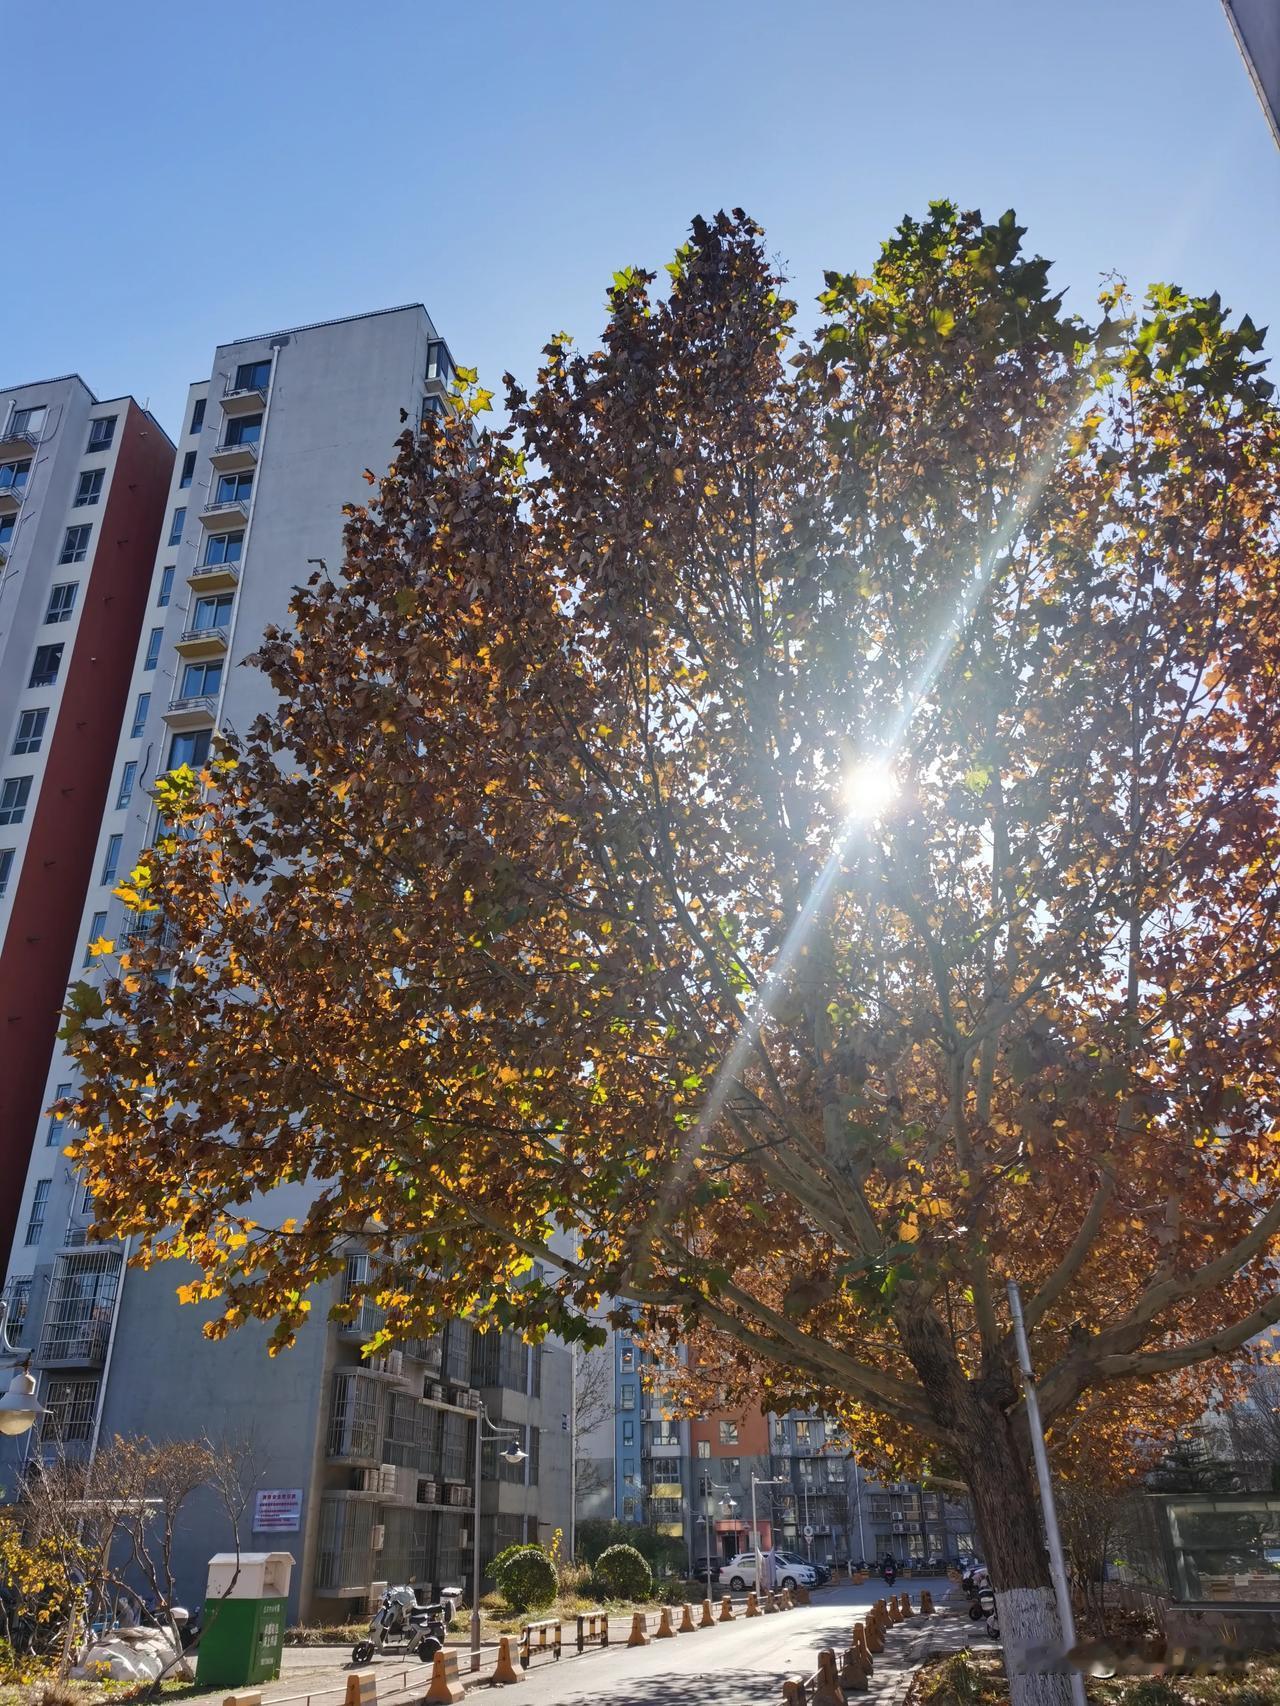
(181, 175)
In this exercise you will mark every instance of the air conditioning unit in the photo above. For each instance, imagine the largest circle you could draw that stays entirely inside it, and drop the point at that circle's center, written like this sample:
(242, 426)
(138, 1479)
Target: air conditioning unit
(899, 1526)
(378, 1536)
(387, 1479)
(395, 1362)
(366, 1480)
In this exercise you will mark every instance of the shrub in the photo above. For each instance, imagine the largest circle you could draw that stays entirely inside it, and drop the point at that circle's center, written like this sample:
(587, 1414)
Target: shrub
(1153, 1691)
(621, 1573)
(527, 1578)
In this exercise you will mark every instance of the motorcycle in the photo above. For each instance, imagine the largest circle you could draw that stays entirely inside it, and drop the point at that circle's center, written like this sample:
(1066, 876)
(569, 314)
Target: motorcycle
(890, 1575)
(402, 1624)
(983, 1605)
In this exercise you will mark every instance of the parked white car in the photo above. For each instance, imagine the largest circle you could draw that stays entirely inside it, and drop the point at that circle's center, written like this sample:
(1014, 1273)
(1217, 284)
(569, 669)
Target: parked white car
(740, 1572)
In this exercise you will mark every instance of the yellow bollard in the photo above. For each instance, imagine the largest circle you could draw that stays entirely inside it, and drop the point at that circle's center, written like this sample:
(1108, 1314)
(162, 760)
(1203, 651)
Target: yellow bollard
(875, 1636)
(853, 1671)
(362, 1688)
(860, 1642)
(753, 1605)
(708, 1619)
(505, 1670)
(687, 1625)
(664, 1631)
(639, 1636)
(726, 1609)
(445, 1686)
(803, 1596)
(926, 1603)
(771, 1602)
(827, 1690)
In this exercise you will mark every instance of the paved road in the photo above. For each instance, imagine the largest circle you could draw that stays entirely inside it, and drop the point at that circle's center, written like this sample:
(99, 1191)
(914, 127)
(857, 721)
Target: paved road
(739, 1664)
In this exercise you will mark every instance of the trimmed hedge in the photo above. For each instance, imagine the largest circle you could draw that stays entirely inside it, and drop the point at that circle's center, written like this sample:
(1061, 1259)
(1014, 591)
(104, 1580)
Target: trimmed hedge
(526, 1577)
(621, 1573)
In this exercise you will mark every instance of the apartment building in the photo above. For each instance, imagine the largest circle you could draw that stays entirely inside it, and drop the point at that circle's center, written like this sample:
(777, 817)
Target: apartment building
(82, 487)
(365, 1468)
(692, 1479)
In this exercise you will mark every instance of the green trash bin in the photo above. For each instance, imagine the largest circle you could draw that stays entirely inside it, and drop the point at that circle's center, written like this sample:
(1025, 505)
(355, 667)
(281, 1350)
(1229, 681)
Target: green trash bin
(244, 1619)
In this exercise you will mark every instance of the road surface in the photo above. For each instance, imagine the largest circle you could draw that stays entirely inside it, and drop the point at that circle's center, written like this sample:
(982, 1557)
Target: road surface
(743, 1663)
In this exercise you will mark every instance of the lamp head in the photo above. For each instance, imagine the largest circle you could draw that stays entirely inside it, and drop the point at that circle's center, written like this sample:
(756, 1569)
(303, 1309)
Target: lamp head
(18, 1408)
(514, 1453)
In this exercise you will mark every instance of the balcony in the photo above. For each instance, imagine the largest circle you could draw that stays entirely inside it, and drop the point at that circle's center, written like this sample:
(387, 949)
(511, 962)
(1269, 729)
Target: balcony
(202, 643)
(245, 399)
(214, 577)
(235, 458)
(224, 517)
(16, 441)
(11, 496)
(194, 713)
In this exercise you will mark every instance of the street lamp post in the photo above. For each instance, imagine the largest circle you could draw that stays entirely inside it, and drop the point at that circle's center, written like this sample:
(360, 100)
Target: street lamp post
(708, 1487)
(761, 1481)
(513, 1454)
(18, 1408)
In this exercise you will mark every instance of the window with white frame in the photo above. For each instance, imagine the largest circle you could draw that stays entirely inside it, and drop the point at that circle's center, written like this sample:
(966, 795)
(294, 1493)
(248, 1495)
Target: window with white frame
(30, 731)
(62, 601)
(111, 860)
(97, 924)
(140, 711)
(55, 1137)
(89, 487)
(176, 526)
(39, 1208)
(45, 665)
(223, 548)
(154, 642)
(15, 791)
(75, 543)
(102, 434)
(6, 869)
(128, 777)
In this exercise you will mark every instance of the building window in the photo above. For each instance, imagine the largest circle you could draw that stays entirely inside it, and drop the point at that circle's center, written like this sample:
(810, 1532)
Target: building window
(214, 612)
(97, 924)
(629, 1471)
(154, 642)
(18, 1297)
(176, 526)
(111, 863)
(188, 469)
(628, 1433)
(224, 548)
(102, 434)
(6, 532)
(197, 415)
(76, 544)
(140, 715)
(244, 429)
(439, 366)
(70, 1406)
(704, 1448)
(30, 731)
(89, 489)
(201, 681)
(234, 488)
(29, 421)
(166, 585)
(13, 475)
(802, 1435)
(128, 776)
(628, 1356)
(628, 1396)
(728, 1433)
(253, 376)
(190, 747)
(45, 666)
(14, 793)
(62, 601)
(6, 869)
(39, 1205)
(54, 1133)
(731, 1468)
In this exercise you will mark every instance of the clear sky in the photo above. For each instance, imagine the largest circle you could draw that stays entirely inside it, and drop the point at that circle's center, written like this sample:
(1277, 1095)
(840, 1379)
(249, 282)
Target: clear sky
(180, 175)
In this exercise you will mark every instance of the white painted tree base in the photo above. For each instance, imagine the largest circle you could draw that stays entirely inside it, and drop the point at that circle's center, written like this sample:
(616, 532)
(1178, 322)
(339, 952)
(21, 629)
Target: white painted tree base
(1030, 1631)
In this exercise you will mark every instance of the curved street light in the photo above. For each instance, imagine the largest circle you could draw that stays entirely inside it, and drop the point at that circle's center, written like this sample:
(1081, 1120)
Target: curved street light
(19, 1409)
(513, 1454)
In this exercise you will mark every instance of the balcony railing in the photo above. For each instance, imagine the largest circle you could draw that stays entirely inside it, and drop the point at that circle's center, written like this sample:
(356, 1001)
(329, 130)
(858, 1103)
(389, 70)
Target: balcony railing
(182, 713)
(229, 513)
(216, 637)
(242, 399)
(235, 450)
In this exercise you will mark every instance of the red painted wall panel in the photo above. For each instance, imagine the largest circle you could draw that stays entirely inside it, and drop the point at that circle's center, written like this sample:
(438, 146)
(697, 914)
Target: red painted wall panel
(42, 948)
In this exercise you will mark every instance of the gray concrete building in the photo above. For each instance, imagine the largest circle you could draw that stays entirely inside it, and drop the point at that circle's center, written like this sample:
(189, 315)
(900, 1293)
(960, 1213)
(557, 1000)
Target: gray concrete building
(364, 1467)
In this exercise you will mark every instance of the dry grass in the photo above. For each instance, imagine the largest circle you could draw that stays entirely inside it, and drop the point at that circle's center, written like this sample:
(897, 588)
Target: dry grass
(977, 1679)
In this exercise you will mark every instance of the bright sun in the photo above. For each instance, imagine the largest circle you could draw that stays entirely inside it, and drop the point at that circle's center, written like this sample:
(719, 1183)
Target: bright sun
(870, 788)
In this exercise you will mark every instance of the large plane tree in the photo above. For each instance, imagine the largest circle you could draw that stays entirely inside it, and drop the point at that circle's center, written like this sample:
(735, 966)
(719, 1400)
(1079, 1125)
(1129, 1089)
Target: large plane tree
(782, 835)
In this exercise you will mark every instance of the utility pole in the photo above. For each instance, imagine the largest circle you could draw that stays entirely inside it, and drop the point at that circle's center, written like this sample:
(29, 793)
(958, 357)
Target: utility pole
(1057, 1558)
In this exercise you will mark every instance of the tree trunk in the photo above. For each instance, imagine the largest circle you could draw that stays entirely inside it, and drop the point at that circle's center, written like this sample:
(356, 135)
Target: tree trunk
(975, 1414)
(1008, 1516)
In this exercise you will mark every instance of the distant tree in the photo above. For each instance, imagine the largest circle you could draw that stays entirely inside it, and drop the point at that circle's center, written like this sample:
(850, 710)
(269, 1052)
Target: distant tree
(786, 847)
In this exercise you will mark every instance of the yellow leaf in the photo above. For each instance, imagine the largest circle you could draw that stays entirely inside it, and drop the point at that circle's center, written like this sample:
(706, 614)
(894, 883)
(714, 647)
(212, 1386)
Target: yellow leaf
(103, 945)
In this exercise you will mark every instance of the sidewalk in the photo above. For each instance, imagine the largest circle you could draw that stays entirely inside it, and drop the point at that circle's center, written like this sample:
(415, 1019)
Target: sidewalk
(912, 1644)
